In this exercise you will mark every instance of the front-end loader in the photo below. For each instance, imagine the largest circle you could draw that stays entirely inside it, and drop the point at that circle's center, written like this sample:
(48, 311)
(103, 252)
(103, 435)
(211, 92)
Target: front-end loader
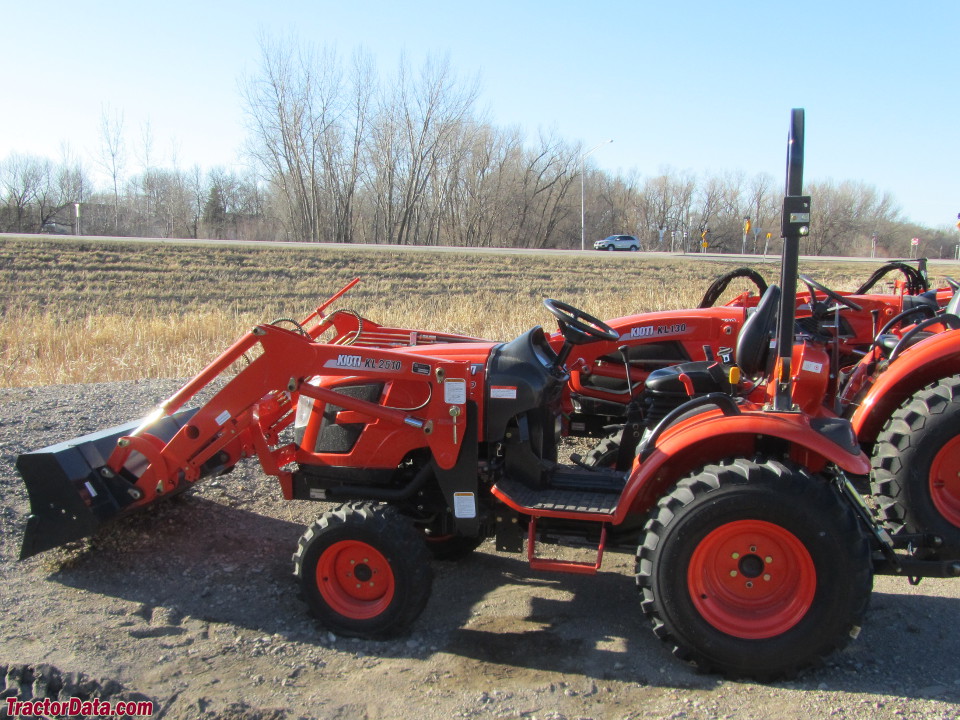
(754, 554)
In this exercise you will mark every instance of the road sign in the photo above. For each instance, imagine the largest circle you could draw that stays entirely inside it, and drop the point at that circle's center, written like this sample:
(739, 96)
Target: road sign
(915, 241)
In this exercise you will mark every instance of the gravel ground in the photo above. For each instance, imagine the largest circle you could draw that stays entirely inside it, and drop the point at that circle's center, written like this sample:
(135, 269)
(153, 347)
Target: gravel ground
(192, 604)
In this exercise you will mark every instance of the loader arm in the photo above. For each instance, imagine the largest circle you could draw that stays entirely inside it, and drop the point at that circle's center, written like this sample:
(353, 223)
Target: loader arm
(77, 486)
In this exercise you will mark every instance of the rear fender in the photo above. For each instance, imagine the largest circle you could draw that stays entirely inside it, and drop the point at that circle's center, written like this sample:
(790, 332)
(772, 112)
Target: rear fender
(711, 436)
(929, 360)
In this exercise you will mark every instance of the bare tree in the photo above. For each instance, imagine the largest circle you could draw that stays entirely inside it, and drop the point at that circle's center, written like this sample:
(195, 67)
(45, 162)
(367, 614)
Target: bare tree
(663, 205)
(22, 178)
(113, 155)
(432, 109)
(844, 215)
(146, 146)
(540, 195)
(293, 107)
(764, 204)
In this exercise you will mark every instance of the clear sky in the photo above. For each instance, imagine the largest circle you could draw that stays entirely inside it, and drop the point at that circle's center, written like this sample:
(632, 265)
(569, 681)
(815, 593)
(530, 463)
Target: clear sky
(700, 86)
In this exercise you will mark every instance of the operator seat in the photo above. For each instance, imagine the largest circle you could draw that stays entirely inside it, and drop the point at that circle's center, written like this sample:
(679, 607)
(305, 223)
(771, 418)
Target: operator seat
(666, 387)
(753, 343)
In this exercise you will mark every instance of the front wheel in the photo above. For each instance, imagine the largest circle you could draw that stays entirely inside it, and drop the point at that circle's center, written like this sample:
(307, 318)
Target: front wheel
(754, 569)
(916, 466)
(364, 570)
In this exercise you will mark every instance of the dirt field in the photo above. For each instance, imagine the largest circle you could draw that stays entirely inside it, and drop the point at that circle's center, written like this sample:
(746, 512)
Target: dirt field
(193, 605)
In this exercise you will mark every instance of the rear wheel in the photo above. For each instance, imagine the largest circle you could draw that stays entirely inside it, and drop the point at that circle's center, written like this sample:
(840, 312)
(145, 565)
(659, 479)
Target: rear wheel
(754, 569)
(606, 452)
(364, 570)
(916, 466)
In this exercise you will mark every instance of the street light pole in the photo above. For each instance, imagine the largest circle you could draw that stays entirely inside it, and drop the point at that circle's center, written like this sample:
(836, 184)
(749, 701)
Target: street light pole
(583, 157)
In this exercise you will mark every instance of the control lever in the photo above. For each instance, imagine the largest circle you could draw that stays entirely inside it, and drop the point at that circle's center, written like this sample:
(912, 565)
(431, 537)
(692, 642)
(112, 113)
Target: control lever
(835, 361)
(626, 366)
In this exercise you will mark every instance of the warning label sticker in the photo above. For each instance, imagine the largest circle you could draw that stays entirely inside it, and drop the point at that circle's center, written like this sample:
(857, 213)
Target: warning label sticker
(464, 505)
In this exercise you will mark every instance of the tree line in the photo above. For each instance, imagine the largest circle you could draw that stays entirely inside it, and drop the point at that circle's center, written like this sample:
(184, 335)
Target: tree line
(336, 153)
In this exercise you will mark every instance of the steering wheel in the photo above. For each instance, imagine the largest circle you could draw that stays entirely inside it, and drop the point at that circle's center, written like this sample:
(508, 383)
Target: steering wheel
(835, 296)
(717, 287)
(576, 326)
(951, 322)
(899, 318)
(916, 282)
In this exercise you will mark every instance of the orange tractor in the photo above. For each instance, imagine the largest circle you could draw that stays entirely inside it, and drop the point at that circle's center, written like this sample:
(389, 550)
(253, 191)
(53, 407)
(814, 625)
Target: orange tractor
(754, 553)
(898, 385)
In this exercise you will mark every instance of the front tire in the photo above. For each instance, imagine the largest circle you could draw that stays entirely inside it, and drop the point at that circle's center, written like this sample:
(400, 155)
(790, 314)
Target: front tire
(754, 569)
(916, 466)
(364, 571)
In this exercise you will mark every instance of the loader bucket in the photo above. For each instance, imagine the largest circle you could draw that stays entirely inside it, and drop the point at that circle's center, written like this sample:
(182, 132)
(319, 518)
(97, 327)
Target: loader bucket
(70, 498)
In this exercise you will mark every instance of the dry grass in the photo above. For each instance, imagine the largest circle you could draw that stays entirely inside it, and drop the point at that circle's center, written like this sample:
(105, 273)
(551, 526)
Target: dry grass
(93, 311)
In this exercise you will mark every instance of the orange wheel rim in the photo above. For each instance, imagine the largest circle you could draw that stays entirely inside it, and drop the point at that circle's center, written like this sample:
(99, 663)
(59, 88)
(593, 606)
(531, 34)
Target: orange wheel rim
(945, 481)
(752, 579)
(355, 579)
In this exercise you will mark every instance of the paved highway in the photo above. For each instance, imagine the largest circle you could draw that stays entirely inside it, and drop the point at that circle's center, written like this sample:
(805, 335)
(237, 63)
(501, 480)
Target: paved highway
(724, 257)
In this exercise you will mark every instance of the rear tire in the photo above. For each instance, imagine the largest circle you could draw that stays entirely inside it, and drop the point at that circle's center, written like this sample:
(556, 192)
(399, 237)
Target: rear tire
(364, 570)
(754, 569)
(916, 466)
(606, 452)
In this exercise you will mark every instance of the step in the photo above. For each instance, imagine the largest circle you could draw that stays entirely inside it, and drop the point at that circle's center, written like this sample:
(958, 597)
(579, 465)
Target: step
(555, 502)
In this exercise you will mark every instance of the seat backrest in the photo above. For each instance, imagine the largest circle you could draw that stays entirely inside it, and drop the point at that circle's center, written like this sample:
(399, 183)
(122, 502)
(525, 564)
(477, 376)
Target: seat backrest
(753, 344)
